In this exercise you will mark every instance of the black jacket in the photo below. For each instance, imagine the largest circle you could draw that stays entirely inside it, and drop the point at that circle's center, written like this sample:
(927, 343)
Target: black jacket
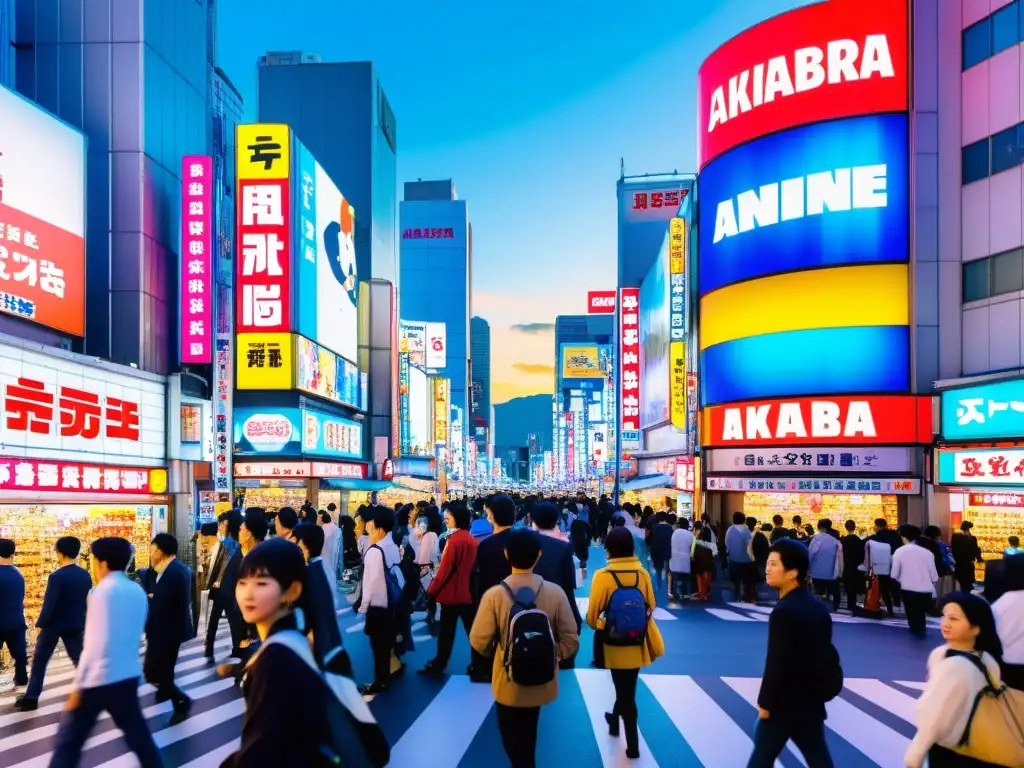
(321, 617)
(853, 553)
(661, 541)
(63, 609)
(799, 635)
(492, 565)
(556, 566)
(965, 551)
(170, 607)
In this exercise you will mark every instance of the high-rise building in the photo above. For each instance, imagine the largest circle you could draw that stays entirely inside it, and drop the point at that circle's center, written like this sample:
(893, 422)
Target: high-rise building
(340, 113)
(480, 355)
(7, 42)
(436, 274)
(136, 84)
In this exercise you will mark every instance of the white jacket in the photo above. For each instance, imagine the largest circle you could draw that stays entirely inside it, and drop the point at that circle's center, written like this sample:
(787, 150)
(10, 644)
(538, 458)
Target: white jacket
(682, 541)
(877, 557)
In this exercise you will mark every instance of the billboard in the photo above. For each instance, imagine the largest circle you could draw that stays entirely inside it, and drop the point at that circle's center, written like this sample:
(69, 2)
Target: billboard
(984, 411)
(413, 342)
(276, 431)
(42, 217)
(820, 62)
(195, 288)
(436, 346)
(600, 302)
(264, 361)
(419, 414)
(629, 365)
(327, 282)
(655, 322)
(441, 409)
(263, 232)
(580, 362)
(993, 467)
(319, 371)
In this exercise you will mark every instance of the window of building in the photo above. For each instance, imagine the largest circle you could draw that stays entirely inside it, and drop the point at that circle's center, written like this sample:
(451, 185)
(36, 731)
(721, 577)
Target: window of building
(976, 42)
(974, 161)
(1007, 272)
(1005, 153)
(976, 280)
(1005, 27)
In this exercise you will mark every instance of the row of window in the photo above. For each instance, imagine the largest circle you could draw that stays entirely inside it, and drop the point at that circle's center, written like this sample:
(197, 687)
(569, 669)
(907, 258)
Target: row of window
(994, 275)
(993, 154)
(993, 34)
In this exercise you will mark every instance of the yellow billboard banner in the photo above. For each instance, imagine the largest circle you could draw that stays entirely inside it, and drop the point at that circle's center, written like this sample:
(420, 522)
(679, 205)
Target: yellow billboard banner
(677, 384)
(442, 410)
(580, 361)
(265, 361)
(677, 246)
(263, 151)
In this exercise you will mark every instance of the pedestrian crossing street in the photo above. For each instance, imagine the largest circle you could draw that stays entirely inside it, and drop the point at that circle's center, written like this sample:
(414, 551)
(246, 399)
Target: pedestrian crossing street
(747, 612)
(686, 720)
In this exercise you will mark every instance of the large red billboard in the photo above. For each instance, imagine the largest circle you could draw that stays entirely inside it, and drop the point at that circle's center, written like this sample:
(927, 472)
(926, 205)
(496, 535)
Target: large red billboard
(841, 58)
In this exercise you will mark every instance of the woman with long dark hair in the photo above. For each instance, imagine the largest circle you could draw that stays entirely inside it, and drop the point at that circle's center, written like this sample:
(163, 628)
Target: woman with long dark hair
(957, 672)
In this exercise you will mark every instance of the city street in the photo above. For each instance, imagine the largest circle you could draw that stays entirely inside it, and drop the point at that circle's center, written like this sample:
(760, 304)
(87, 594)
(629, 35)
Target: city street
(696, 704)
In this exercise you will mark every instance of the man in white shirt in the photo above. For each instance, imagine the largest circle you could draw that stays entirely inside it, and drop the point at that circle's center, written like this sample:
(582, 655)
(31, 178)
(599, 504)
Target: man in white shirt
(913, 567)
(381, 624)
(109, 669)
(330, 555)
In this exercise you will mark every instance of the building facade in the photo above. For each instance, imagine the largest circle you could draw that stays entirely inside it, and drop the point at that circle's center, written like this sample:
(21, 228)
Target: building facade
(7, 42)
(340, 113)
(135, 83)
(435, 282)
(480, 396)
(645, 205)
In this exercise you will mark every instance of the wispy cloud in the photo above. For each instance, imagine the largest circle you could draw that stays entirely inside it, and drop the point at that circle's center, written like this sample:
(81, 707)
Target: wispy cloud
(534, 369)
(534, 328)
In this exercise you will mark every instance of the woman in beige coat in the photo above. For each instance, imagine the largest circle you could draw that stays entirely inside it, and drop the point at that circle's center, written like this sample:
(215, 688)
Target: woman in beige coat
(519, 705)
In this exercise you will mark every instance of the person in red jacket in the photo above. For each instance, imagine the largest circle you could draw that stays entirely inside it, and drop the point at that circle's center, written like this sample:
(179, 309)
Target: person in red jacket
(451, 587)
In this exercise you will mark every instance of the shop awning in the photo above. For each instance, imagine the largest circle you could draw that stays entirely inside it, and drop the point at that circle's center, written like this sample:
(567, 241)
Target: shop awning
(354, 484)
(659, 480)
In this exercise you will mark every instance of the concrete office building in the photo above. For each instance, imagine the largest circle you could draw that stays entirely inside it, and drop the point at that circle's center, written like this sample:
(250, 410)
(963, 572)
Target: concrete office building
(480, 356)
(340, 113)
(435, 283)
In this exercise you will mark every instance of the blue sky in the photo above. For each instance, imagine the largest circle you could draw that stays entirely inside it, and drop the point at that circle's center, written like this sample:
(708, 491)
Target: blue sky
(528, 106)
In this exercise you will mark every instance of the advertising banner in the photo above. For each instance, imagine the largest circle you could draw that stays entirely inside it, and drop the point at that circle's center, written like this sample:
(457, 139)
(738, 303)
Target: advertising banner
(580, 362)
(984, 411)
(821, 62)
(436, 346)
(196, 286)
(655, 327)
(280, 469)
(264, 361)
(404, 410)
(321, 372)
(570, 446)
(222, 445)
(413, 341)
(810, 460)
(72, 477)
(996, 467)
(328, 284)
(865, 420)
(42, 217)
(684, 474)
(332, 436)
(55, 407)
(629, 356)
(264, 229)
(420, 427)
(292, 431)
(996, 500)
(441, 409)
(677, 386)
(816, 485)
(601, 302)
(677, 282)
(655, 204)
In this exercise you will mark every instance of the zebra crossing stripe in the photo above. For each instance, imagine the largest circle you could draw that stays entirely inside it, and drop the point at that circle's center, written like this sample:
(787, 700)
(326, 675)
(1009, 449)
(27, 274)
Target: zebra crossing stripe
(897, 702)
(722, 613)
(599, 696)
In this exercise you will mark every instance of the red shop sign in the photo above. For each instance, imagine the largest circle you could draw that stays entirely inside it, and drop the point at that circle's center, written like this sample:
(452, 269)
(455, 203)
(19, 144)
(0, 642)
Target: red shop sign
(71, 477)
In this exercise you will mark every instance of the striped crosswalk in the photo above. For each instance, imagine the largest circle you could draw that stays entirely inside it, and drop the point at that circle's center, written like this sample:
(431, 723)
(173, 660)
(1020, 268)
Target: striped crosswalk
(745, 612)
(451, 723)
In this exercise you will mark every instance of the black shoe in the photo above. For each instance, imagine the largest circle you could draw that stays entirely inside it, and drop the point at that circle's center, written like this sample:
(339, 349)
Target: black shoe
(629, 724)
(26, 704)
(433, 669)
(373, 689)
(181, 712)
(613, 724)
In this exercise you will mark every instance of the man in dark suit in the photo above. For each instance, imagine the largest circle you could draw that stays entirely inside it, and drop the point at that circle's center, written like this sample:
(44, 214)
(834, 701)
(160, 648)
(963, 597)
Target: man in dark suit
(492, 567)
(225, 561)
(61, 618)
(321, 617)
(169, 622)
(556, 564)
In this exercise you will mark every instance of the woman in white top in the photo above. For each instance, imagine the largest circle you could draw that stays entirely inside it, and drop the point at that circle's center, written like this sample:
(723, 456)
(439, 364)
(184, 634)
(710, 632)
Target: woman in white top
(954, 681)
(1009, 613)
(679, 561)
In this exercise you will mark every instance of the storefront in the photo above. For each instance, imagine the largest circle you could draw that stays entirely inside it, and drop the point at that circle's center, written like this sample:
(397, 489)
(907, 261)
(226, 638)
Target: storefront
(84, 454)
(276, 484)
(658, 485)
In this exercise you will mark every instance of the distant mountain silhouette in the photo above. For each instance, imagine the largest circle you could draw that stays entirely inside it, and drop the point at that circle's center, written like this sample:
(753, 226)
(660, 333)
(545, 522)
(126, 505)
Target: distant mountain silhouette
(517, 418)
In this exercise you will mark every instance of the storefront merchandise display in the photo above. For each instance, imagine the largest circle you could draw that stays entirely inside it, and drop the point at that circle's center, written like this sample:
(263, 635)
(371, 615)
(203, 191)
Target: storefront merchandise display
(274, 497)
(993, 525)
(662, 500)
(863, 509)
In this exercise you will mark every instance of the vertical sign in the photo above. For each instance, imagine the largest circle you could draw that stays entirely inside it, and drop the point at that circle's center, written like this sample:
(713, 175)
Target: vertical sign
(442, 411)
(396, 388)
(629, 354)
(570, 447)
(263, 231)
(196, 259)
(677, 324)
(222, 441)
(436, 344)
(403, 402)
(692, 437)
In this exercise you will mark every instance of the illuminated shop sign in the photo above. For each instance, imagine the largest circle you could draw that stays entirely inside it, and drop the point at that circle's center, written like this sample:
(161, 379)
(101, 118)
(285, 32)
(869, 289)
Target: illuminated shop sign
(295, 431)
(821, 62)
(196, 308)
(32, 475)
(656, 199)
(984, 411)
(1002, 466)
(601, 302)
(629, 357)
(907, 487)
(809, 460)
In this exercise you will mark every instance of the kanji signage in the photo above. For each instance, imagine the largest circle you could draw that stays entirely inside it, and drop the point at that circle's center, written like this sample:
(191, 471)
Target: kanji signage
(985, 411)
(657, 199)
(340, 470)
(629, 357)
(429, 233)
(996, 466)
(810, 460)
(264, 229)
(196, 259)
(442, 406)
(264, 361)
(861, 420)
(279, 469)
(57, 408)
(684, 474)
(996, 500)
(907, 487)
(35, 475)
(222, 416)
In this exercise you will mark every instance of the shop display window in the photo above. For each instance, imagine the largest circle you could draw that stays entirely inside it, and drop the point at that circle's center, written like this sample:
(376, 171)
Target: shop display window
(993, 526)
(662, 500)
(273, 498)
(863, 509)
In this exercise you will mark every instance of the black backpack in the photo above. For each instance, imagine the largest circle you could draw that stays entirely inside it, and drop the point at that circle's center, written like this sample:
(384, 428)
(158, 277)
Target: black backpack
(531, 656)
(829, 675)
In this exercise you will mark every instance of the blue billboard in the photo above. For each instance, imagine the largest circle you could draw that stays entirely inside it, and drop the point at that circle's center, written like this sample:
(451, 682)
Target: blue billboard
(286, 431)
(824, 195)
(984, 411)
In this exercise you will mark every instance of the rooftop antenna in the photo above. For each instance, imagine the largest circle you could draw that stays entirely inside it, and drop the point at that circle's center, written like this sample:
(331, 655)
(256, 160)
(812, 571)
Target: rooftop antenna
(622, 168)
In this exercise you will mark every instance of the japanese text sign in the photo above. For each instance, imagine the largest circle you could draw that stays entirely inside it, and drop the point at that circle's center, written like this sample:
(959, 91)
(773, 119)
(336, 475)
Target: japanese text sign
(57, 408)
(879, 485)
(33, 475)
(629, 357)
(658, 199)
(984, 411)
(429, 233)
(264, 229)
(996, 500)
(264, 361)
(811, 460)
(684, 474)
(42, 217)
(196, 259)
(341, 470)
(442, 410)
(222, 415)
(282, 469)
(982, 467)
(677, 385)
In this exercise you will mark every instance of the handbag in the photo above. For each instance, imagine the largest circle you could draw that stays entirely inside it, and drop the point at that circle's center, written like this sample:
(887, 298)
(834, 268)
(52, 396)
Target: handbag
(995, 728)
